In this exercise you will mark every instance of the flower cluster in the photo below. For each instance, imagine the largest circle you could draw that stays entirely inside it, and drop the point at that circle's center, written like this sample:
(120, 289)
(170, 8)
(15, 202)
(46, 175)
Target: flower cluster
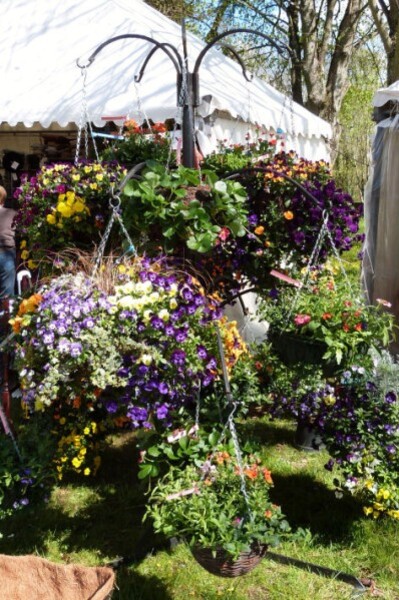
(149, 339)
(288, 198)
(360, 429)
(206, 505)
(64, 205)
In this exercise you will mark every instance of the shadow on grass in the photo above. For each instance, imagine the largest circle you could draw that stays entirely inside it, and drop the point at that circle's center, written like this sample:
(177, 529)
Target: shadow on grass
(107, 521)
(310, 504)
(132, 586)
(268, 433)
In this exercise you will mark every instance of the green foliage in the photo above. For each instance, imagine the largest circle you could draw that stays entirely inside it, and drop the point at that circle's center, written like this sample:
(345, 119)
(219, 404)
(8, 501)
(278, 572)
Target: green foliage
(207, 505)
(174, 209)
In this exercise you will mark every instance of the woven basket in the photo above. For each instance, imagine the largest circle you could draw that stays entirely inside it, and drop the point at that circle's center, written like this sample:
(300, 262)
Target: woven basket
(223, 565)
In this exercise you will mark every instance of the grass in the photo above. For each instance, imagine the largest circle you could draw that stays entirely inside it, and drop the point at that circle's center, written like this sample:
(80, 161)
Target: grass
(95, 523)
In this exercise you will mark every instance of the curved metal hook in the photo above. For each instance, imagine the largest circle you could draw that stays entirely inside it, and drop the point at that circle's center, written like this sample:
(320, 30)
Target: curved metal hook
(174, 55)
(280, 47)
(137, 78)
(247, 76)
(132, 174)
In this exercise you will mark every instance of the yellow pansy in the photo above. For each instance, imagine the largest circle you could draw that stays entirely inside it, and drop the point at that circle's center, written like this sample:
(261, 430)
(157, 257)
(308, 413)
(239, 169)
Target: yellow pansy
(24, 254)
(367, 510)
(64, 209)
(51, 219)
(22, 244)
(78, 206)
(76, 177)
(99, 176)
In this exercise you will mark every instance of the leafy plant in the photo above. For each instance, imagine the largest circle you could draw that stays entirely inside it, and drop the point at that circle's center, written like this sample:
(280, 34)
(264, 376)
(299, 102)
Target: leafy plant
(208, 507)
(176, 209)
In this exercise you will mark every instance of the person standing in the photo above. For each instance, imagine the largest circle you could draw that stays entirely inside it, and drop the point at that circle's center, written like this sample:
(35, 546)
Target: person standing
(7, 247)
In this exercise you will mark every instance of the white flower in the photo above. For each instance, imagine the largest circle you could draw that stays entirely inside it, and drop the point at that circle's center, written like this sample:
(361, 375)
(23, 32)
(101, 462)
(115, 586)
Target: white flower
(146, 359)
(164, 314)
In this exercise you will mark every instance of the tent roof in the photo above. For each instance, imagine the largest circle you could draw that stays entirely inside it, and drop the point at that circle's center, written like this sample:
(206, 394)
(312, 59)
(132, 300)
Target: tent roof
(384, 95)
(41, 82)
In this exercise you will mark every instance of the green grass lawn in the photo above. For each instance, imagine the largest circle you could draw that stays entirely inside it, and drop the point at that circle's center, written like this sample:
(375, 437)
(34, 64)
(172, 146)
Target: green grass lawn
(92, 523)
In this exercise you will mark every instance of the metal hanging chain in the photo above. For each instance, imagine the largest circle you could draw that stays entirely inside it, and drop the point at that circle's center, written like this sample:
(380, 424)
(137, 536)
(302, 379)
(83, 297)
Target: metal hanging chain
(114, 203)
(84, 124)
(142, 115)
(312, 261)
(230, 421)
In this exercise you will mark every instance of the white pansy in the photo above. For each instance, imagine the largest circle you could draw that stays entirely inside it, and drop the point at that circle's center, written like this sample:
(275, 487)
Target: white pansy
(146, 359)
(173, 303)
(164, 314)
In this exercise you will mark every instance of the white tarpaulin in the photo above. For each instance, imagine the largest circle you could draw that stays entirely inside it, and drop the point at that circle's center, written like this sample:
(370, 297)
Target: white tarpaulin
(40, 42)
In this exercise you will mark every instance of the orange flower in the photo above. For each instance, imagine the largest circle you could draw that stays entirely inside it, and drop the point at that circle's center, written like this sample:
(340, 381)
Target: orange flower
(251, 472)
(268, 514)
(326, 316)
(345, 327)
(268, 476)
(288, 215)
(259, 230)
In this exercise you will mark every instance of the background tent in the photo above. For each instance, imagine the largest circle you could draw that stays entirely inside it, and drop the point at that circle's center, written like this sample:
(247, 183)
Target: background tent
(41, 83)
(381, 206)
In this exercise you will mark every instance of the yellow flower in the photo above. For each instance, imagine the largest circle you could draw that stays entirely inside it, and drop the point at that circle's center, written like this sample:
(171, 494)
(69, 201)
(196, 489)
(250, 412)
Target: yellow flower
(99, 176)
(32, 264)
(64, 209)
(394, 514)
(22, 244)
(51, 219)
(383, 494)
(86, 471)
(93, 186)
(94, 427)
(76, 177)
(79, 206)
(367, 510)
(76, 462)
(87, 169)
(62, 421)
(86, 431)
(24, 254)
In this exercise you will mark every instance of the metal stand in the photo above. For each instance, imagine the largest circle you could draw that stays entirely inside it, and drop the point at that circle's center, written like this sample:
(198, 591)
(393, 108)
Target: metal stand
(187, 84)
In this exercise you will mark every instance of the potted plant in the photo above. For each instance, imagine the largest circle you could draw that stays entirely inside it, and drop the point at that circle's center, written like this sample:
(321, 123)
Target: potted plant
(222, 509)
(63, 206)
(325, 321)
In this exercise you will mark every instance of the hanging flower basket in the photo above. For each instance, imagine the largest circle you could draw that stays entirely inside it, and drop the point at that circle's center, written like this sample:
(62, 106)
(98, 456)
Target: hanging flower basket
(223, 565)
(296, 348)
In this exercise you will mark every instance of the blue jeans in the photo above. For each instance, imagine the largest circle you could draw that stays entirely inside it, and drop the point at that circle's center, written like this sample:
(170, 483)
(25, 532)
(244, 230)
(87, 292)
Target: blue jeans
(7, 272)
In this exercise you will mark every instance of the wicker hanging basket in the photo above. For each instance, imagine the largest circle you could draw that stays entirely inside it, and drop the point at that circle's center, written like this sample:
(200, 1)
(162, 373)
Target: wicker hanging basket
(223, 565)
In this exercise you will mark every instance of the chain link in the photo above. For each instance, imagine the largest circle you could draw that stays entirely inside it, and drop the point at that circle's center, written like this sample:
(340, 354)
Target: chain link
(85, 124)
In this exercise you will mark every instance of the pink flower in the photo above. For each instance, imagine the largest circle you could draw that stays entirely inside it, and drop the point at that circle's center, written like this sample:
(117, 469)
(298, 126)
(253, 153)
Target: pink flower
(302, 319)
(224, 234)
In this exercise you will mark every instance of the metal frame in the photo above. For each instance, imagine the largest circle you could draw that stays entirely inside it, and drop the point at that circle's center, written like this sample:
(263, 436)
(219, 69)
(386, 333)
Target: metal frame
(187, 83)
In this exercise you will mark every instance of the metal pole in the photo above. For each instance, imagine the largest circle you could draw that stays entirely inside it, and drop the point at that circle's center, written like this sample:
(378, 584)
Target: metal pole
(188, 112)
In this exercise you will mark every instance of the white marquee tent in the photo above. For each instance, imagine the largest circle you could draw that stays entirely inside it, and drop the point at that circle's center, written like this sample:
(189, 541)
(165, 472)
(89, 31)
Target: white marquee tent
(40, 42)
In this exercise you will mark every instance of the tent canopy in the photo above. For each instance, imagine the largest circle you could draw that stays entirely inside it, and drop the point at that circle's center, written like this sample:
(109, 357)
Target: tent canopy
(41, 82)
